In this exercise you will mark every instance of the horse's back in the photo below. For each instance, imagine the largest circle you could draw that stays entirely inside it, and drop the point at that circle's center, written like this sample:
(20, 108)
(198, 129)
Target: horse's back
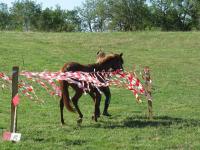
(72, 66)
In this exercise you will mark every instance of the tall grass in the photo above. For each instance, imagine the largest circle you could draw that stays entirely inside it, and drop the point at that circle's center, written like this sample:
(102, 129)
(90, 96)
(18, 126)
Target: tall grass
(174, 59)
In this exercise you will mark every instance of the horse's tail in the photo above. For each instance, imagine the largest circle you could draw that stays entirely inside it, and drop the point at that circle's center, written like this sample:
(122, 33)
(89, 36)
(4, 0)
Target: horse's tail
(65, 96)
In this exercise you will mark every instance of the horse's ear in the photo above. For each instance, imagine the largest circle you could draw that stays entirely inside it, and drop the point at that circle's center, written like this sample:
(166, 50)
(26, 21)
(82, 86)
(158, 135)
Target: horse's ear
(99, 52)
(121, 54)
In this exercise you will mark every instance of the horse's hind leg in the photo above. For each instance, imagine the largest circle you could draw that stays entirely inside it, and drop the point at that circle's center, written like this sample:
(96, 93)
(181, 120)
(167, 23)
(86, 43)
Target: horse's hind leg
(92, 94)
(75, 99)
(97, 106)
(61, 111)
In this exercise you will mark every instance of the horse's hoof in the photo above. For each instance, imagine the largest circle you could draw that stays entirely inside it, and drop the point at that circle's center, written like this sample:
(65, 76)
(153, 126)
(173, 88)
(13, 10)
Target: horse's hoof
(62, 123)
(107, 114)
(94, 118)
(79, 121)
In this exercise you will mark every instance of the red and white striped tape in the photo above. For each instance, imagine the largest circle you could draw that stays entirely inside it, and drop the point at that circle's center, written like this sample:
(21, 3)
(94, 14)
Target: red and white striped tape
(49, 81)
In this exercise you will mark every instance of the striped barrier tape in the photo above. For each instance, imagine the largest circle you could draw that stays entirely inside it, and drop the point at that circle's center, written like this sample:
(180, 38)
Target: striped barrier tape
(49, 81)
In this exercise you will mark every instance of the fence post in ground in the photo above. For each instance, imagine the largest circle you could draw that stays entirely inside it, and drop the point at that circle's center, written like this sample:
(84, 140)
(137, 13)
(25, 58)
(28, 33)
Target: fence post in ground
(15, 73)
(148, 89)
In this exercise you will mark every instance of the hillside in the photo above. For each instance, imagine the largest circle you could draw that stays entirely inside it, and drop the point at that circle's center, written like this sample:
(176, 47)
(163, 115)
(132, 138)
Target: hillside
(174, 58)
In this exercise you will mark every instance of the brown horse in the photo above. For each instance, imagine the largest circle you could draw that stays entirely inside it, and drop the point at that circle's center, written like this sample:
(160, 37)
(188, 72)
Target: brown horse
(112, 61)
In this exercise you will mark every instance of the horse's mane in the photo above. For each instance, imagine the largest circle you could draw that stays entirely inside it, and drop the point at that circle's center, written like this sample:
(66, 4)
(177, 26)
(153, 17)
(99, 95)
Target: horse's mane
(103, 58)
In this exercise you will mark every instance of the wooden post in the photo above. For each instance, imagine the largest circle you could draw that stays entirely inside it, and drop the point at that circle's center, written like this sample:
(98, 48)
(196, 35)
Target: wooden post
(148, 88)
(150, 109)
(15, 72)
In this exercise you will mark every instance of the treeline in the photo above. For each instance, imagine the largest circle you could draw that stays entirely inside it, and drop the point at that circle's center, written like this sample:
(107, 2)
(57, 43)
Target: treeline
(103, 15)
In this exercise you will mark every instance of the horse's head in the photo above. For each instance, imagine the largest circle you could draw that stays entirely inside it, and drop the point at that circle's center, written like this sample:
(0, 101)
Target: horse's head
(117, 62)
(111, 62)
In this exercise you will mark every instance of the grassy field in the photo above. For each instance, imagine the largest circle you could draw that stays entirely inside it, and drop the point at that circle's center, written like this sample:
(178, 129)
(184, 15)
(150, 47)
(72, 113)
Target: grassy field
(174, 58)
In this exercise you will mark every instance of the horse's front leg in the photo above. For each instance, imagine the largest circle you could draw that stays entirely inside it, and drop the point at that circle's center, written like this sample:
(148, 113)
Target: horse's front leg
(107, 94)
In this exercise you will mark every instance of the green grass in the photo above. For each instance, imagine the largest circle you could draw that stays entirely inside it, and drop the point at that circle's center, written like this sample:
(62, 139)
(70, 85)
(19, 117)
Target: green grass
(174, 58)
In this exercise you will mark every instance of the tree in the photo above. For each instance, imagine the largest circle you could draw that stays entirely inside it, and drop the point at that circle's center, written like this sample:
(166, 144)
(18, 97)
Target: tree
(160, 11)
(176, 14)
(88, 14)
(184, 15)
(94, 15)
(4, 16)
(102, 15)
(25, 14)
(128, 15)
(195, 14)
(59, 20)
(72, 21)
(46, 20)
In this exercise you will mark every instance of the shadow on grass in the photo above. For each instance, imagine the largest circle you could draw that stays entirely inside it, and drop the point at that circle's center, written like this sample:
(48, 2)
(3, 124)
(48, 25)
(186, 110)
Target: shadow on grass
(167, 121)
(75, 142)
(142, 122)
(66, 141)
(38, 139)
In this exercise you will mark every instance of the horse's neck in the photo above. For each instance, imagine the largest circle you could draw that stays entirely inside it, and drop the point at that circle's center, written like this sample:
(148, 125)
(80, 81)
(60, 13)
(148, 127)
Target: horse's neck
(103, 66)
